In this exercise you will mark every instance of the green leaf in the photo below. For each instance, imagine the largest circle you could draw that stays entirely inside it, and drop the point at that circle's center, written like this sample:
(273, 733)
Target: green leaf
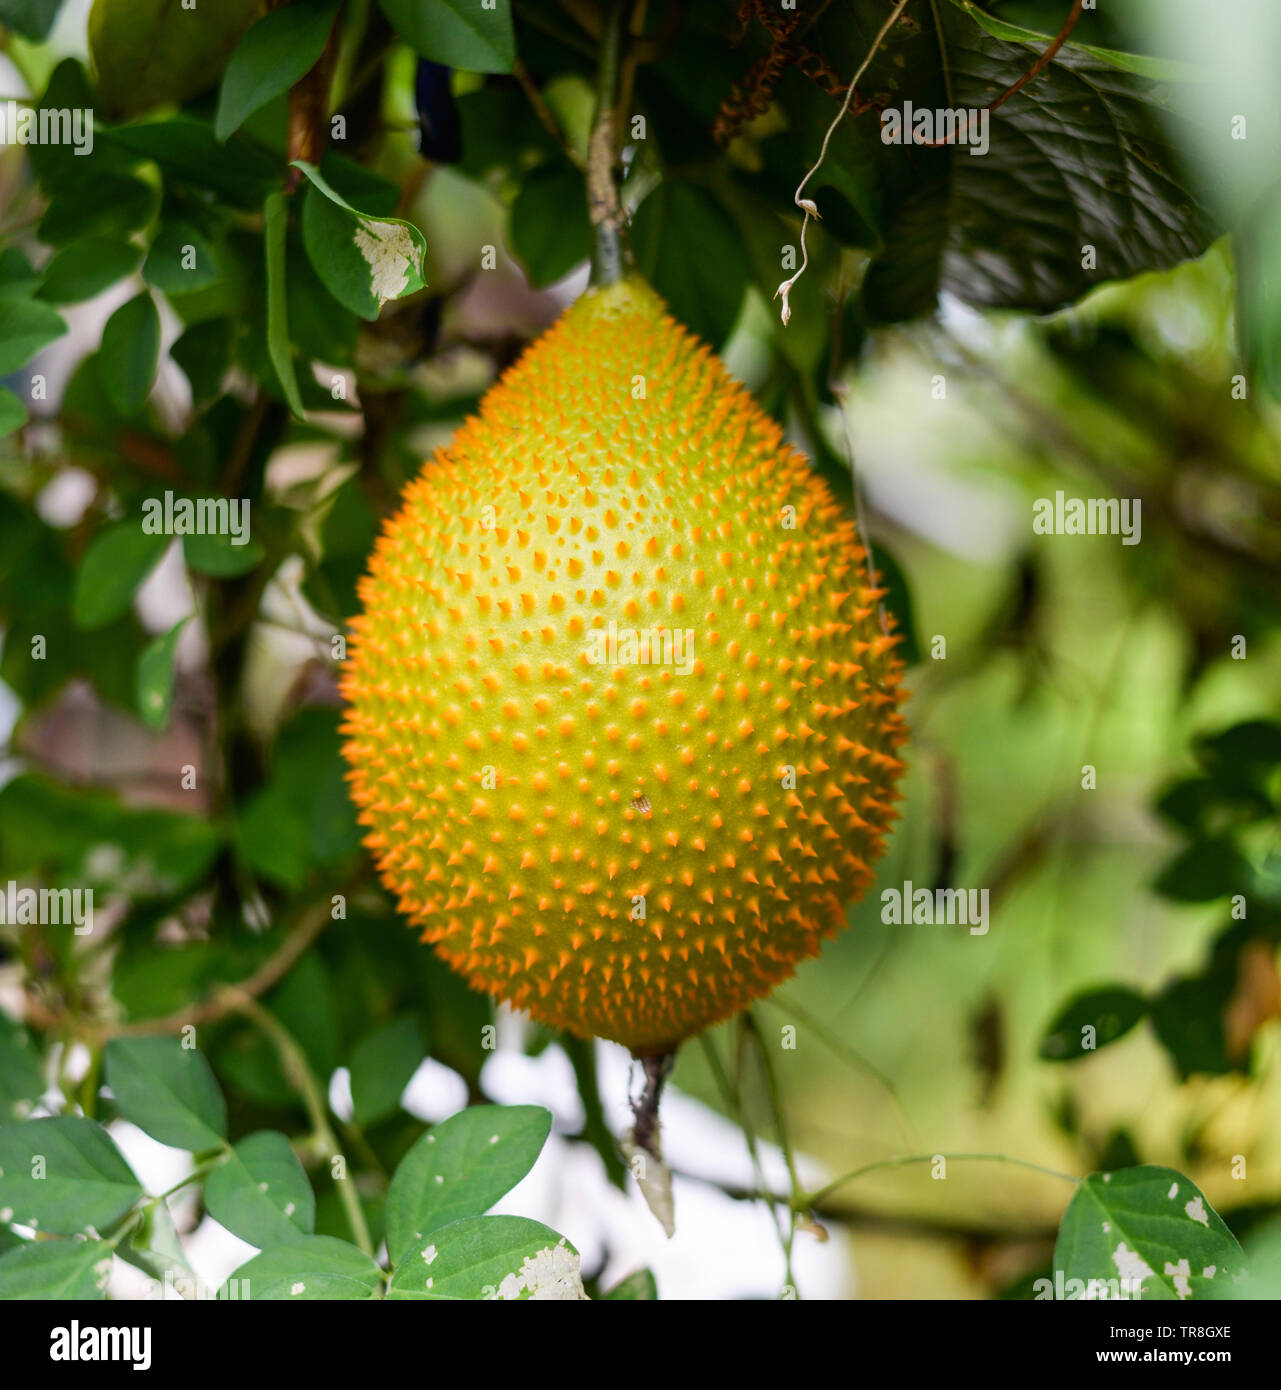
(315, 1267)
(489, 1257)
(1187, 1018)
(302, 817)
(33, 19)
(180, 260)
(48, 828)
(304, 1004)
(638, 1287)
(457, 33)
(153, 53)
(154, 1246)
(1079, 158)
(461, 1168)
(82, 269)
(550, 231)
(362, 260)
(261, 1192)
(129, 352)
(1150, 1224)
(1109, 1014)
(280, 49)
(187, 150)
(204, 354)
(691, 253)
(56, 1270)
(222, 557)
(168, 1091)
(1263, 1255)
(382, 1064)
(21, 1078)
(13, 414)
(18, 278)
(83, 1179)
(1207, 807)
(155, 677)
(1158, 69)
(116, 563)
(26, 327)
(278, 347)
(1244, 755)
(1206, 870)
(98, 204)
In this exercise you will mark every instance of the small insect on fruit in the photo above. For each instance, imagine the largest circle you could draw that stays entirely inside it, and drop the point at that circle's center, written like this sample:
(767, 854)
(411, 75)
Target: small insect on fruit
(622, 719)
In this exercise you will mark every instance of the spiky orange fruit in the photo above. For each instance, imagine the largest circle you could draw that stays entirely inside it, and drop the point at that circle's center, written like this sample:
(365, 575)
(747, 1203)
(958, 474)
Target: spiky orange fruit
(624, 847)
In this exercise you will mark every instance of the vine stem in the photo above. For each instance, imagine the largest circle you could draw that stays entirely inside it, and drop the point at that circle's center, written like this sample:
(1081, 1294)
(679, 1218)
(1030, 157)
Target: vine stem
(905, 1160)
(603, 206)
(298, 1071)
(807, 205)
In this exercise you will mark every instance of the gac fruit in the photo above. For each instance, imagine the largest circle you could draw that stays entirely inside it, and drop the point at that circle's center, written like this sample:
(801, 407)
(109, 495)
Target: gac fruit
(623, 719)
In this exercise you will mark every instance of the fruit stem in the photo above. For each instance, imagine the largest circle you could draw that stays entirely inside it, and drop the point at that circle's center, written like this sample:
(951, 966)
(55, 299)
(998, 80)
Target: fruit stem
(603, 206)
(645, 1110)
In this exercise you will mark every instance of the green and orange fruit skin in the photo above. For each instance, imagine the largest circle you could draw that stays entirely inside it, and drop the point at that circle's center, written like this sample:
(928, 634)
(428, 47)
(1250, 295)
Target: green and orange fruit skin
(627, 850)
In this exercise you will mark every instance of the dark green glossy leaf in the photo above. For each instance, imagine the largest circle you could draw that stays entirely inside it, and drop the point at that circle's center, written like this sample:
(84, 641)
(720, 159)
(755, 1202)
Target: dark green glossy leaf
(181, 260)
(26, 327)
(550, 233)
(223, 557)
(155, 677)
(457, 33)
(98, 205)
(689, 250)
(33, 19)
(85, 268)
(382, 1064)
(1090, 1021)
(13, 414)
(153, 52)
(116, 563)
(129, 353)
(280, 49)
(278, 346)
(204, 354)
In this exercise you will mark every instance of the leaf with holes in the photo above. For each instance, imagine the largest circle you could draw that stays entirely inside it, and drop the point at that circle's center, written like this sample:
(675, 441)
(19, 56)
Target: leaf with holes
(489, 1257)
(461, 1168)
(261, 1192)
(1151, 1226)
(363, 260)
(315, 1267)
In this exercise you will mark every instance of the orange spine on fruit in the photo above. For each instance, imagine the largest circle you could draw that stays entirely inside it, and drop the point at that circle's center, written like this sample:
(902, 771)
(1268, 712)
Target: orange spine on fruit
(625, 830)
